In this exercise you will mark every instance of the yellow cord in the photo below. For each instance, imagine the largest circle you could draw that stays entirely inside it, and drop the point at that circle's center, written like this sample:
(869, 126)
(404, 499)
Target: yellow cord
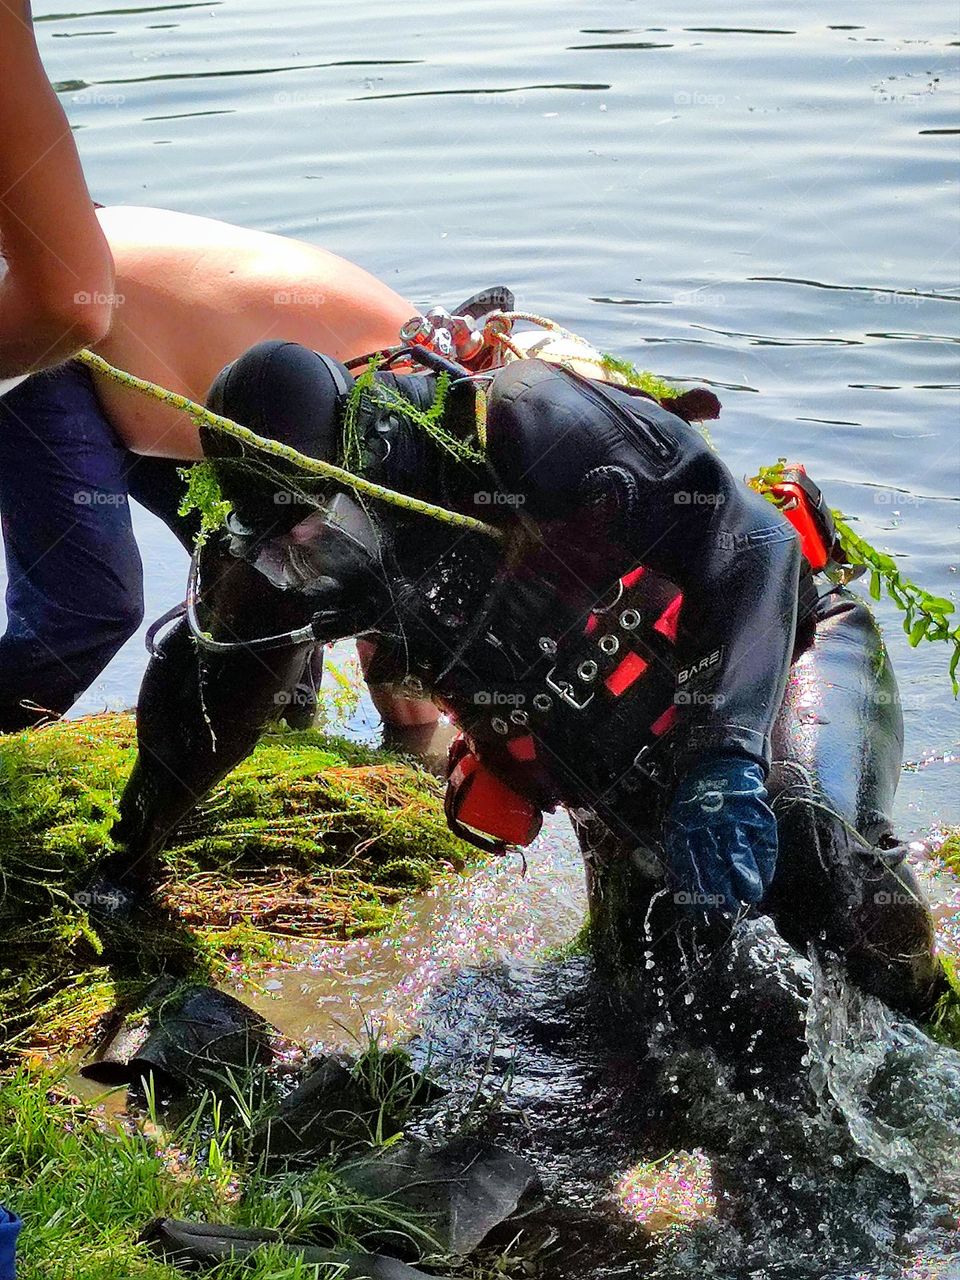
(275, 448)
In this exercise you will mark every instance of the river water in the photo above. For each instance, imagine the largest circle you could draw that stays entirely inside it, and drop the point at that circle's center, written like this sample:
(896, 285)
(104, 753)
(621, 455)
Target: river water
(766, 202)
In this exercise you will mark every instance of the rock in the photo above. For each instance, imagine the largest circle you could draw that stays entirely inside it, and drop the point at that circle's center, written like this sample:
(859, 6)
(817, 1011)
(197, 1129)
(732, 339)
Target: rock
(459, 1192)
(200, 1245)
(189, 1035)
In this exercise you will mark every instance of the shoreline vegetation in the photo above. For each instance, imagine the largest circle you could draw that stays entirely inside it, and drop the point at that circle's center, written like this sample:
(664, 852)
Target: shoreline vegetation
(313, 837)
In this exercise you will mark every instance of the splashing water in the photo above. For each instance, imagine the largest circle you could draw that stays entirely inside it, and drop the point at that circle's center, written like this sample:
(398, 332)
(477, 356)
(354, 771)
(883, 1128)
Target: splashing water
(898, 1091)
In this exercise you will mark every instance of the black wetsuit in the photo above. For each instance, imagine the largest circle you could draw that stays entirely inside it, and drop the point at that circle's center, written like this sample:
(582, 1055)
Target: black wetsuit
(580, 679)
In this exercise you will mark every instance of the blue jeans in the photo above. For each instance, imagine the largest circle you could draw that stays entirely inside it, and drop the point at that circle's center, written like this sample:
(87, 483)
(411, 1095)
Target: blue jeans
(10, 1226)
(74, 575)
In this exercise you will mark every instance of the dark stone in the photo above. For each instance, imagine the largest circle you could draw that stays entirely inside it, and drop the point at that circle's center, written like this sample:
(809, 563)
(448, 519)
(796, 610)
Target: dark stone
(190, 1035)
(201, 1245)
(460, 1193)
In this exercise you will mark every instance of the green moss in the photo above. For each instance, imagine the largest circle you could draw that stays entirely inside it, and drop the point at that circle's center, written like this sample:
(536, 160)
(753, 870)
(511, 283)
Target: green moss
(945, 1023)
(640, 378)
(311, 837)
(203, 495)
(949, 851)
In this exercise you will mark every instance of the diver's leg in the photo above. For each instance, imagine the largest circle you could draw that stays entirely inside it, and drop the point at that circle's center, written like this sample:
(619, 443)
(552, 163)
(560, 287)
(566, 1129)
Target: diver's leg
(630, 907)
(200, 713)
(157, 485)
(843, 882)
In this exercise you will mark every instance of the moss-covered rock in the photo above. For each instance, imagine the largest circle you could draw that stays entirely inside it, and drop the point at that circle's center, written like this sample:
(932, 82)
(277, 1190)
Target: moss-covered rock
(311, 837)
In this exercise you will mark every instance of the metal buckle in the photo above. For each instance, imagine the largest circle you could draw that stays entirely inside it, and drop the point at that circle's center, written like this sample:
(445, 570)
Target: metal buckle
(650, 771)
(604, 606)
(565, 691)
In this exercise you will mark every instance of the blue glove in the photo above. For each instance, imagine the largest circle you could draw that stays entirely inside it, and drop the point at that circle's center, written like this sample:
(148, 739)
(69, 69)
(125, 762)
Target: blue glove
(10, 1226)
(720, 836)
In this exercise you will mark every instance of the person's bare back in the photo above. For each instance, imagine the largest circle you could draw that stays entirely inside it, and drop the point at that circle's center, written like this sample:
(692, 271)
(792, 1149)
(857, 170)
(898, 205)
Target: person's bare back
(193, 293)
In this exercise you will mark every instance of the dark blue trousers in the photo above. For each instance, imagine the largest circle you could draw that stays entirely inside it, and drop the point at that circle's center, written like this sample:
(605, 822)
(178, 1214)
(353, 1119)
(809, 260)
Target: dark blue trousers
(74, 576)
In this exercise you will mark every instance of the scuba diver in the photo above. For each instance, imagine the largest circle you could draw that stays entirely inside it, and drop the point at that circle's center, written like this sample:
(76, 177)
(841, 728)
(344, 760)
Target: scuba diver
(647, 642)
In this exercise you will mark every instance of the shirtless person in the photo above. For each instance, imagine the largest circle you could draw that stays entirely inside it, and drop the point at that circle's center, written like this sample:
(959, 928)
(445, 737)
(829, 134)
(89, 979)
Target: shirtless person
(190, 295)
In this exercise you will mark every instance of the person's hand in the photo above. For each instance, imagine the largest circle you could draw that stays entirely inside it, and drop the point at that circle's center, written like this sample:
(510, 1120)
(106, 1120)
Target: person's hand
(720, 836)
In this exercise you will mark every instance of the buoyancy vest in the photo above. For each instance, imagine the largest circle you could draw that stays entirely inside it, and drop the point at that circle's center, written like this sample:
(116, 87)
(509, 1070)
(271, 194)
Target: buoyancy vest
(557, 707)
(557, 704)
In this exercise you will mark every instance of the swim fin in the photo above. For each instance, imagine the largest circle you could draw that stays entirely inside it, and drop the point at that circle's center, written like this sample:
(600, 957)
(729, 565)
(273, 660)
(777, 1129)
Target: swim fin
(192, 1245)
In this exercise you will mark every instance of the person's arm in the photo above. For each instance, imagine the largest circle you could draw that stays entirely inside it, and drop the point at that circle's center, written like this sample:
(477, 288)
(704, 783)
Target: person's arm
(56, 294)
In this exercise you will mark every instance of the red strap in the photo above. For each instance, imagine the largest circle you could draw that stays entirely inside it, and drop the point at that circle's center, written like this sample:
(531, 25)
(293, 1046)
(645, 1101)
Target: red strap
(524, 748)
(666, 624)
(623, 675)
(664, 722)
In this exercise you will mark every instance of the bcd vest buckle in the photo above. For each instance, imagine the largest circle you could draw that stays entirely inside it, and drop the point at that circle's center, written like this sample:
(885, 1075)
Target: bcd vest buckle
(565, 691)
(802, 502)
